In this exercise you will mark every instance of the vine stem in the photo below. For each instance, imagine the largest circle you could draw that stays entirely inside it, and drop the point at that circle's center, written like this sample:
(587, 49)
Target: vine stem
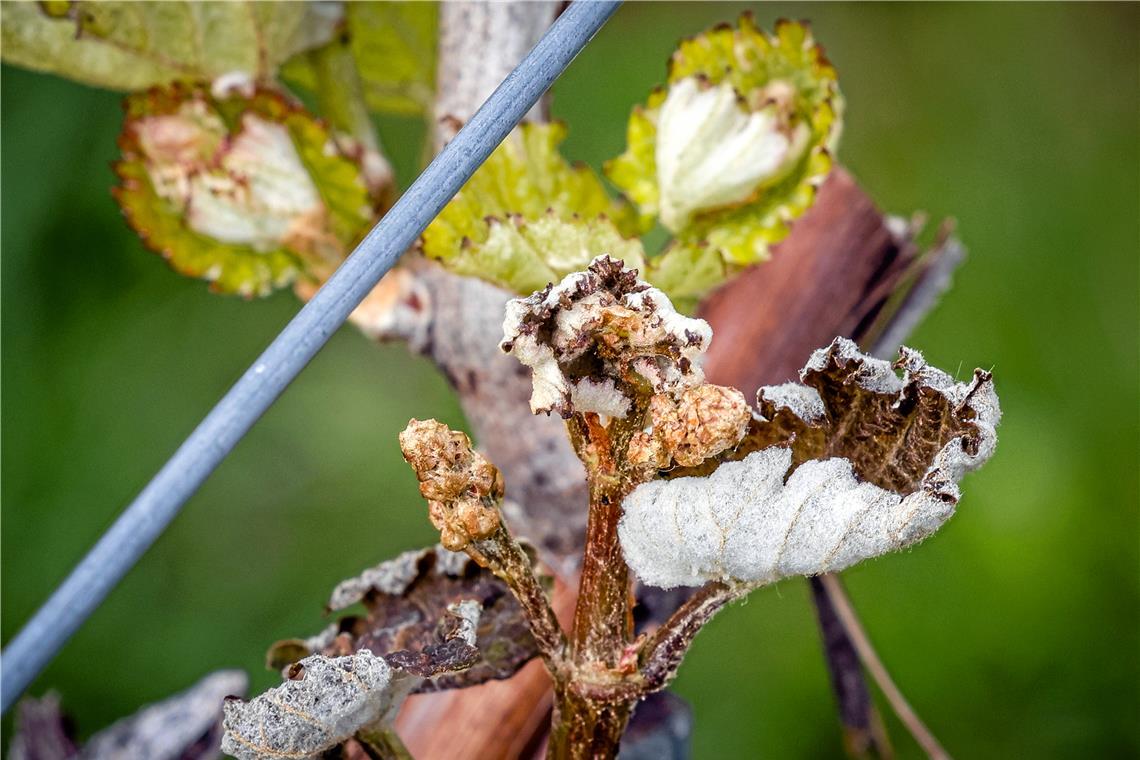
(603, 620)
(506, 559)
(870, 659)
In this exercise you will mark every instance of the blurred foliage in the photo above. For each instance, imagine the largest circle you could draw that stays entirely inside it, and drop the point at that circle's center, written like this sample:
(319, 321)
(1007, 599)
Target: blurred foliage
(1013, 632)
(131, 46)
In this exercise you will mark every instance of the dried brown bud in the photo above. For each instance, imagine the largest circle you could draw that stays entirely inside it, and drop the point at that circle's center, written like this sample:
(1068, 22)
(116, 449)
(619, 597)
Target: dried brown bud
(462, 488)
(699, 423)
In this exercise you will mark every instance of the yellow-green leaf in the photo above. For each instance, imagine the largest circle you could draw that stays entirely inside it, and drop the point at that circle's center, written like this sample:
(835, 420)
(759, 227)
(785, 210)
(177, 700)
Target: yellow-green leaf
(135, 45)
(393, 44)
(733, 150)
(248, 193)
(528, 217)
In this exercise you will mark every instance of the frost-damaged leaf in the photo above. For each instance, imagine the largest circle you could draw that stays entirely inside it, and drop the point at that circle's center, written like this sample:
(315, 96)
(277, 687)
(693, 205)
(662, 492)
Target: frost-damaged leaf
(246, 191)
(323, 703)
(186, 726)
(854, 463)
(528, 217)
(601, 338)
(733, 149)
(394, 47)
(136, 45)
(407, 602)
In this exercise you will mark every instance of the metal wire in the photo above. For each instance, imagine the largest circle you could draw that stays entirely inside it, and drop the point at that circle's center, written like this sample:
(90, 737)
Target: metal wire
(162, 499)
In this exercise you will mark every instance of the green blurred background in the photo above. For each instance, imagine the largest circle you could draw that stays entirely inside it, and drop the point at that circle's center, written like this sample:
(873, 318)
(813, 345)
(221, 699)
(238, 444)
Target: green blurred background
(1013, 632)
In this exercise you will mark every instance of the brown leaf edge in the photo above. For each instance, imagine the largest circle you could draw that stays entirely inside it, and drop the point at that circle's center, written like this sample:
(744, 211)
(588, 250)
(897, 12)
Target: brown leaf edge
(898, 433)
(406, 621)
(194, 255)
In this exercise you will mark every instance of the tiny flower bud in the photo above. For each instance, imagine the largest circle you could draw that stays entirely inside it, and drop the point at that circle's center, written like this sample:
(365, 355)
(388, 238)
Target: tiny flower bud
(462, 488)
(700, 423)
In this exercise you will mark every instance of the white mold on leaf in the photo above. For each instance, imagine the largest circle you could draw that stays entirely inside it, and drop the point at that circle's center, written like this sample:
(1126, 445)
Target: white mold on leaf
(325, 701)
(762, 518)
(596, 332)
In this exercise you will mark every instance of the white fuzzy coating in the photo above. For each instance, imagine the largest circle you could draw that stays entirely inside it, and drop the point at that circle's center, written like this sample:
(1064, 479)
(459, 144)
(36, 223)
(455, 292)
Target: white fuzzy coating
(875, 375)
(802, 400)
(712, 152)
(601, 397)
(329, 700)
(575, 316)
(745, 523)
(394, 576)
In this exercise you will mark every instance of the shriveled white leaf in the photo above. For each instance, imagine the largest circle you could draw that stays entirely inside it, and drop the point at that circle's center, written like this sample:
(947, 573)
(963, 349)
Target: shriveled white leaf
(325, 702)
(751, 521)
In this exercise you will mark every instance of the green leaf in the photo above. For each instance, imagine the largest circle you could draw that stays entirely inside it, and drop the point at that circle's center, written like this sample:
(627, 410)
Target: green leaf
(528, 217)
(135, 45)
(394, 47)
(686, 273)
(248, 193)
(733, 150)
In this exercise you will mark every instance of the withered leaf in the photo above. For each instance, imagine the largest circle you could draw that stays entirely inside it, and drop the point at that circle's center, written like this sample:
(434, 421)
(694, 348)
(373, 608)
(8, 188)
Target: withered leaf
(323, 703)
(408, 623)
(852, 464)
(600, 338)
(854, 407)
(42, 731)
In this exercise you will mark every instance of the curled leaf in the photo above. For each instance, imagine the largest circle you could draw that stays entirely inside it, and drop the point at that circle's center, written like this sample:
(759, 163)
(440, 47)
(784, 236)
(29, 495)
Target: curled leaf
(732, 150)
(410, 604)
(528, 217)
(454, 652)
(322, 704)
(853, 464)
(245, 190)
(133, 45)
(600, 338)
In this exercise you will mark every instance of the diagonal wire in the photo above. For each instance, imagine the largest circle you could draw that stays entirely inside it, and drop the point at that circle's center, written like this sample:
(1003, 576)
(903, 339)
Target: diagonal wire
(159, 503)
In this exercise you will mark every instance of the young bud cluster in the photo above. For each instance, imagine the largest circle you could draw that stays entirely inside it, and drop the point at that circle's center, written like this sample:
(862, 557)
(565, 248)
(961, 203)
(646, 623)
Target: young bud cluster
(462, 488)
